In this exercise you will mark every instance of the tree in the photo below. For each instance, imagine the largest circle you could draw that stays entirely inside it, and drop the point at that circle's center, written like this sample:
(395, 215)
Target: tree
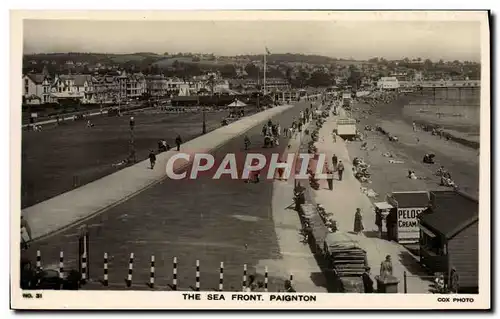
(354, 78)
(252, 70)
(320, 79)
(228, 71)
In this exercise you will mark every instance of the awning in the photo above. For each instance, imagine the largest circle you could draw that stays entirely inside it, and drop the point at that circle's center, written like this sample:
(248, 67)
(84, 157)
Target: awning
(427, 231)
(383, 205)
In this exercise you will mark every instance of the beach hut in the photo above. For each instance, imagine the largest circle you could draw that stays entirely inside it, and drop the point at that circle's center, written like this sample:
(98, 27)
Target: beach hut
(449, 231)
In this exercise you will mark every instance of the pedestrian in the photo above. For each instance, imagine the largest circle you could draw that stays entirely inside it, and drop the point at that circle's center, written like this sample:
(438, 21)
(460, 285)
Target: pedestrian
(152, 159)
(329, 179)
(334, 135)
(178, 142)
(334, 161)
(454, 286)
(358, 222)
(340, 169)
(367, 281)
(386, 267)
(414, 127)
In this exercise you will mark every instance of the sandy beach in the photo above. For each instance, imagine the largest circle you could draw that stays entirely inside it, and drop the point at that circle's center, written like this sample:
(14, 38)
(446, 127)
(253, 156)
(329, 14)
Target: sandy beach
(460, 160)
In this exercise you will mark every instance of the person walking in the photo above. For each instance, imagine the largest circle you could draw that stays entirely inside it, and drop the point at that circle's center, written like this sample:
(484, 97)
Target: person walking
(454, 286)
(335, 161)
(340, 169)
(152, 159)
(178, 142)
(367, 281)
(358, 222)
(329, 178)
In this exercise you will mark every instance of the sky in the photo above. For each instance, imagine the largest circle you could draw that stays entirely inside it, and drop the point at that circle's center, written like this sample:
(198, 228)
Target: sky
(447, 40)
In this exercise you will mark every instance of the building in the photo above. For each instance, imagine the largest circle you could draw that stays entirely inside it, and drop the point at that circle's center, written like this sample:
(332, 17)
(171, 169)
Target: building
(73, 86)
(135, 86)
(106, 89)
(449, 231)
(36, 88)
(156, 85)
(388, 83)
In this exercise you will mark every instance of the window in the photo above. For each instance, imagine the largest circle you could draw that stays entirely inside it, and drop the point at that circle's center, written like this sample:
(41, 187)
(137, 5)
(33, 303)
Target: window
(26, 82)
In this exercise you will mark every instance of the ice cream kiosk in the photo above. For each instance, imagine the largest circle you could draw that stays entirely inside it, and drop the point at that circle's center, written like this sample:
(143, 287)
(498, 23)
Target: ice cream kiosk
(402, 220)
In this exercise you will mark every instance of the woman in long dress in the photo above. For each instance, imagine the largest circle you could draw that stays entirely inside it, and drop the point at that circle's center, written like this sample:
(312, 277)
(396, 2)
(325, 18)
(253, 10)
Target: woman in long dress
(358, 222)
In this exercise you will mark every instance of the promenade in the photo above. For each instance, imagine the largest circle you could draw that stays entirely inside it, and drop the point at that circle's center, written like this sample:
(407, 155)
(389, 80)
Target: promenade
(297, 258)
(205, 220)
(75, 206)
(343, 201)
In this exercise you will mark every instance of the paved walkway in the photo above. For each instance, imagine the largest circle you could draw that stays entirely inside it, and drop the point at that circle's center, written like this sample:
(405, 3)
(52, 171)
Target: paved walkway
(67, 209)
(343, 201)
(297, 257)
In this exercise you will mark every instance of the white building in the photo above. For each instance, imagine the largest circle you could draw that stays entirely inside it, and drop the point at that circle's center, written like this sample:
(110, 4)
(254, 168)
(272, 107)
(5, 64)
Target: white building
(388, 83)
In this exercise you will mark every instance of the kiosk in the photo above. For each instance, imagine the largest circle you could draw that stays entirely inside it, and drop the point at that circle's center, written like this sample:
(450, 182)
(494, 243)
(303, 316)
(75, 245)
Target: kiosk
(402, 221)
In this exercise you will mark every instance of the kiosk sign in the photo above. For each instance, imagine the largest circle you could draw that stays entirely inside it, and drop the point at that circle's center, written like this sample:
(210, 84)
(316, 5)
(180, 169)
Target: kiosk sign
(408, 230)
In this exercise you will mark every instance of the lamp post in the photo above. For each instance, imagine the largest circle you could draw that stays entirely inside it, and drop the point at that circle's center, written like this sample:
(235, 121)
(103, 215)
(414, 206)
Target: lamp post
(132, 140)
(204, 122)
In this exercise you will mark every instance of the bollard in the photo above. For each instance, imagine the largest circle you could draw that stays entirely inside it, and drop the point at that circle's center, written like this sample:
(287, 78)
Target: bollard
(291, 279)
(61, 265)
(265, 280)
(105, 279)
(221, 277)
(84, 267)
(174, 275)
(197, 275)
(83, 253)
(38, 259)
(130, 269)
(405, 285)
(152, 273)
(244, 277)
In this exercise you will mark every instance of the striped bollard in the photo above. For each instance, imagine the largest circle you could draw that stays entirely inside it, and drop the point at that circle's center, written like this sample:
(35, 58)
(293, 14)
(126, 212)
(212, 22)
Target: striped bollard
(244, 277)
(105, 279)
(84, 267)
(152, 273)
(197, 275)
(291, 279)
(174, 275)
(38, 259)
(130, 269)
(265, 280)
(61, 264)
(221, 277)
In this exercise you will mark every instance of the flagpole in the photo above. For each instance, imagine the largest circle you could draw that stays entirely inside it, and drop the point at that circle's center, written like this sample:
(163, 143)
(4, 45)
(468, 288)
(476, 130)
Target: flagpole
(265, 68)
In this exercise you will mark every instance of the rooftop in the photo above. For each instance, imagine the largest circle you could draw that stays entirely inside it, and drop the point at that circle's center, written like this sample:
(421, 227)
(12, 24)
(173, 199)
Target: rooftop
(450, 212)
